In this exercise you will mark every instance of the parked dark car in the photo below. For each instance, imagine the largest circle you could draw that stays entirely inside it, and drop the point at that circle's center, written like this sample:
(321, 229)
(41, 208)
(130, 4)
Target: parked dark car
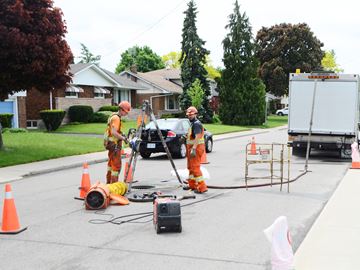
(172, 129)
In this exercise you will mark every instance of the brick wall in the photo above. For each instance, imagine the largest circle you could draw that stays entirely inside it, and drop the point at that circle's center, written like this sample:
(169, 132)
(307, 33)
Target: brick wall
(21, 101)
(35, 102)
(62, 103)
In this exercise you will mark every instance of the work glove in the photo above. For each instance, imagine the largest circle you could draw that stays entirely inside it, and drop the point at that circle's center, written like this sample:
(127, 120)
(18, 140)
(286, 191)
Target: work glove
(183, 138)
(193, 152)
(134, 144)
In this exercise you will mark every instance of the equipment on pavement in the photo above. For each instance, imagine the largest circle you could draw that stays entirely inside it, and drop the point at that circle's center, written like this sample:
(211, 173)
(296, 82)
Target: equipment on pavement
(135, 142)
(167, 214)
(100, 195)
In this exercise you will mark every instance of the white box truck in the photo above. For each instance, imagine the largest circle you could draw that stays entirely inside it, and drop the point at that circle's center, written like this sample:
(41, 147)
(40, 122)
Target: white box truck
(326, 107)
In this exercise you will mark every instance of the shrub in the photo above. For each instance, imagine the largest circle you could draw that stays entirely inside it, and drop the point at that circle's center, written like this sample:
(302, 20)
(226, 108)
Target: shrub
(5, 120)
(109, 108)
(216, 119)
(99, 118)
(52, 118)
(15, 130)
(80, 113)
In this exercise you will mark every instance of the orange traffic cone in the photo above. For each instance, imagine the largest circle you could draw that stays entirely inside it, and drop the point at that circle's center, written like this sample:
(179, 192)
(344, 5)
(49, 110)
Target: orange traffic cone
(85, 182)
(253, 147)
(129, 177)
(204, 159)
(10, 221)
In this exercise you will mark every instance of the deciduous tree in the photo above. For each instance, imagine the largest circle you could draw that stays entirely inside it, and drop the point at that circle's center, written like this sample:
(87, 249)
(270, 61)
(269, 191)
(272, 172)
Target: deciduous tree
(143, 57)
(87, 56)
(242, 93)
(284, 48)
(329, 62)
(33, 50)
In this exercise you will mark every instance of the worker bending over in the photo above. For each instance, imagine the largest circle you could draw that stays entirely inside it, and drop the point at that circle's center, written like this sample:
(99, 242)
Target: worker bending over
(113, 139)
(195, 147)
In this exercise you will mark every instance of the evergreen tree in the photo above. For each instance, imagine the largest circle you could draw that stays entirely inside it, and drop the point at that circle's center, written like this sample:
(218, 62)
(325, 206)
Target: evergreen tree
(193, 61)
(242, 93)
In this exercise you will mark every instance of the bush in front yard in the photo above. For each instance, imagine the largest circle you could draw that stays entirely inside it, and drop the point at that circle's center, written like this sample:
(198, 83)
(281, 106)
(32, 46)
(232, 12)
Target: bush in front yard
(5, 119)
(80, 113)
(109, 108)
(52, 118)
(99, 118)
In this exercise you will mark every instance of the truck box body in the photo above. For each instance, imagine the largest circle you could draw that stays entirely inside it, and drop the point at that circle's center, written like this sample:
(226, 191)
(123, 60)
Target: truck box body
(335, 112)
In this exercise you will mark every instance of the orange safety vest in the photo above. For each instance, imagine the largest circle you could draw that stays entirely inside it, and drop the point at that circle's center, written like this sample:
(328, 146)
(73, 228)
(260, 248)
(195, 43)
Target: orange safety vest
(108, 135)
(191, 138)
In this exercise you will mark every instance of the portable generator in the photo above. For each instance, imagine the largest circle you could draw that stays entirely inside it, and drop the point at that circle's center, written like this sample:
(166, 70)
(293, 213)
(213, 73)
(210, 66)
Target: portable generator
(167, 214)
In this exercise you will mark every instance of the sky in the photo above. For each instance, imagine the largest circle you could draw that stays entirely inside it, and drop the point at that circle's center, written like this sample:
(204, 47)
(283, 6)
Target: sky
(109, 27)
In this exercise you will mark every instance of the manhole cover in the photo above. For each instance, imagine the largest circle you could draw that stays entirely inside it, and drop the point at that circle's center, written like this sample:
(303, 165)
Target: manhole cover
(143, 187)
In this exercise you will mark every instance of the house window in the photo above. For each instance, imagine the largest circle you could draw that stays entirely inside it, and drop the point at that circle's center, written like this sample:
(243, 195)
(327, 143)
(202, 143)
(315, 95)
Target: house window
(71, 94)
(172, 103)
(31, 124)
(99, 95)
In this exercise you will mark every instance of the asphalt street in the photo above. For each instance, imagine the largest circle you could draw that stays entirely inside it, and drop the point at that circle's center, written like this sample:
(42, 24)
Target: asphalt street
(222, 230)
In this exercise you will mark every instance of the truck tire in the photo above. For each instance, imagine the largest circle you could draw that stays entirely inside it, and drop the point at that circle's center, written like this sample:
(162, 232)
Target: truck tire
(299, 151)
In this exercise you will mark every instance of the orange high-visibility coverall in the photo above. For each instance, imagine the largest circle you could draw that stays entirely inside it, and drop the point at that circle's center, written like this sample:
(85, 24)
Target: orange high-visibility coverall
(114, 149)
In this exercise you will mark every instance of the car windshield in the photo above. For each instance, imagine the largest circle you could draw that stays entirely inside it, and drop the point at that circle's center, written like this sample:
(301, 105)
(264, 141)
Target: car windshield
(163, 124)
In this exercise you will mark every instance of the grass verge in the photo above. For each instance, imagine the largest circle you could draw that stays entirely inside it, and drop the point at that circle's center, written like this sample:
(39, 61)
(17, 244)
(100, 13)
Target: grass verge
(36, 146)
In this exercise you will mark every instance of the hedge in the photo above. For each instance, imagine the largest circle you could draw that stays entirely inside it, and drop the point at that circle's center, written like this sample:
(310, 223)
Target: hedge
(52, 118)
(109, 108)
(80, 113)
(5, 120)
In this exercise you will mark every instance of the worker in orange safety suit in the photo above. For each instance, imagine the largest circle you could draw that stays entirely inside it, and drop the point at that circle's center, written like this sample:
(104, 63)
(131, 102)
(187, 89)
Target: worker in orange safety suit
(195, 147)
(113, 139)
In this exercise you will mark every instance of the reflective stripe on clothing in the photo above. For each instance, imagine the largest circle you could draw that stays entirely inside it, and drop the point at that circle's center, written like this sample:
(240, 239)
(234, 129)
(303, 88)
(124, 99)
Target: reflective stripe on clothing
(113, 121)
(191, 137)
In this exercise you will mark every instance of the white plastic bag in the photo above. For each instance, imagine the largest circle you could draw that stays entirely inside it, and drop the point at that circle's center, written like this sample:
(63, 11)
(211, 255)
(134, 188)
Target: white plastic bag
(184, 173)
(282, 256)
(355, 153)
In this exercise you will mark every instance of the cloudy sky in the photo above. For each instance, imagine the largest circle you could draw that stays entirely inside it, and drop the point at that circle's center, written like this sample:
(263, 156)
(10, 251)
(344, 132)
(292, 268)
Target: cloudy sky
(109, 27)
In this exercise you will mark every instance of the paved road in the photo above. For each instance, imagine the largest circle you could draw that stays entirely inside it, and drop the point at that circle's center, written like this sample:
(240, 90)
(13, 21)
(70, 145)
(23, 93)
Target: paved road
(222, 232)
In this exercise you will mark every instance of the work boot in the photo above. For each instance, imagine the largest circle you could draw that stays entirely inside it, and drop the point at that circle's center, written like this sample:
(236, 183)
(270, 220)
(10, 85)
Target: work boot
(201, 187)
(192, 184)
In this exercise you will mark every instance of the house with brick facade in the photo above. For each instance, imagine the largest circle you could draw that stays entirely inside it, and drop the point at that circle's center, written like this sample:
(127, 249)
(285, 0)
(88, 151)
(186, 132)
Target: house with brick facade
(90, 85)
(162, 88)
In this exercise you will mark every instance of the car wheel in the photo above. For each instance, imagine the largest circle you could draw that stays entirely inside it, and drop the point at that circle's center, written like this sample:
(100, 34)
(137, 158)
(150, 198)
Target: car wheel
(280, 114)
(145, 155)
(209, 146)
(182, 151)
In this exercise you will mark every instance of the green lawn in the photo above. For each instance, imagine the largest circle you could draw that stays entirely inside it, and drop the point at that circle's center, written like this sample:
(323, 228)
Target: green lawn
(35, 146)
(272, 121)
(93, 128)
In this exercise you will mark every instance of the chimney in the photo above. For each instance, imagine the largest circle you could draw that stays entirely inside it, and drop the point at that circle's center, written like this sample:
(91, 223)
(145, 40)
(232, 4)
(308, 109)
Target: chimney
(133, 68)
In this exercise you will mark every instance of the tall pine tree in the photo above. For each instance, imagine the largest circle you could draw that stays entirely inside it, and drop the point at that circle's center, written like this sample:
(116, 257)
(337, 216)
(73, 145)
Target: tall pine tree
(193, 61)
(242, 93)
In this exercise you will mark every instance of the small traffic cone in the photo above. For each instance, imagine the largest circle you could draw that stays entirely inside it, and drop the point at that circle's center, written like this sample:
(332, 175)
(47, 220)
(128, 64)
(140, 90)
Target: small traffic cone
(204, 159)
(253, 147)
(10, 221)
(85, 182)
(129, 177)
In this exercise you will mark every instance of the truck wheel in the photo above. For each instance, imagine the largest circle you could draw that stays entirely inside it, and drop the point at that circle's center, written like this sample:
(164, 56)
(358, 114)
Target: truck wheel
(299, 151)
(345, 153)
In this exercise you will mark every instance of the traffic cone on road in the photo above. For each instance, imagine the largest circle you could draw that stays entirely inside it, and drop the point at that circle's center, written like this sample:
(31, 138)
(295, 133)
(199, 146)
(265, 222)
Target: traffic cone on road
(204, 159)
(253, 147)
(10, 221)
(85, 182)
(129, 176)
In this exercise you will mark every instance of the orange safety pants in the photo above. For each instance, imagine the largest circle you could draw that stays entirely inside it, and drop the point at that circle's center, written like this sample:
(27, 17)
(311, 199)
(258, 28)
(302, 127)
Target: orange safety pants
(114, 165)
(193, 163)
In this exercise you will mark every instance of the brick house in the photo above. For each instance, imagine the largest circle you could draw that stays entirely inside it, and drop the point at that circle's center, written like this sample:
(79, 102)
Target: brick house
(91, 85)
(162, 88)
(16, 105)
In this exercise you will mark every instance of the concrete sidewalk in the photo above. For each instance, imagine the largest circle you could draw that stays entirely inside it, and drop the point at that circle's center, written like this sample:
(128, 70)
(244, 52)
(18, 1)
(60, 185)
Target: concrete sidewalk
(333, 241)
(13, 173)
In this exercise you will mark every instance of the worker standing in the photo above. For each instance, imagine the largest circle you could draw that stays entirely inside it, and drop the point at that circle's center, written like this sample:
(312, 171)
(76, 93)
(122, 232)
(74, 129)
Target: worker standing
(195, 147)
(113, 139)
